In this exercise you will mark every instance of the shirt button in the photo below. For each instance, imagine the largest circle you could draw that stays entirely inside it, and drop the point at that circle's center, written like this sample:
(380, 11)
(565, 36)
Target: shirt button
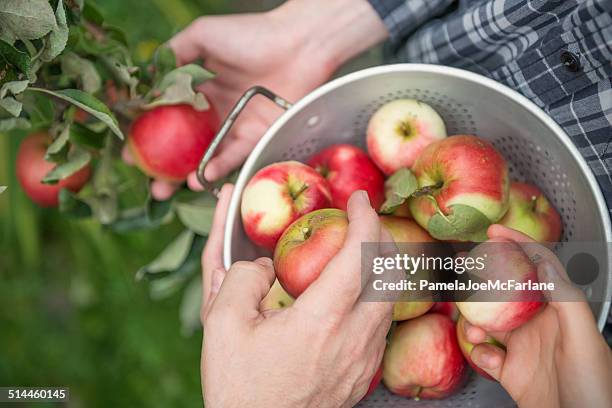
(571, 61)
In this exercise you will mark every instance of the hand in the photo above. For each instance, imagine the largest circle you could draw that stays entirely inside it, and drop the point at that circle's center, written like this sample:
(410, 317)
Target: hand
(558, 358)
(290, 50)
(321, 352)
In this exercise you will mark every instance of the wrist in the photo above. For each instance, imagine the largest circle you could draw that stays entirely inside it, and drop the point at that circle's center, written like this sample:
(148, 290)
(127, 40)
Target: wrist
(330, 31)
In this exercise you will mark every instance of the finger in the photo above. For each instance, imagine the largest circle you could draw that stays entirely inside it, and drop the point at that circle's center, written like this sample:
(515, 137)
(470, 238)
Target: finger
(339, 285)
(193, 183)
(489, 358)
(477, 335)
(244, 287)
(212, 256)
(162, 190)
(188, 44)
(231, 154)
(217, 277)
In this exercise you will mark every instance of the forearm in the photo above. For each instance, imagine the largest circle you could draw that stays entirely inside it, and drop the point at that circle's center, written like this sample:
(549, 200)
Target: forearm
(336, 30)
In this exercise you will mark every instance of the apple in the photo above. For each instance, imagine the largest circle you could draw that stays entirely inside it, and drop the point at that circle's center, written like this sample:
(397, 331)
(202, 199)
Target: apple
(403, 211)
(403, 230)
(374, 383)
(502, 311)
(276, 196)
(463, 188)
(307, 246)
(168, 142)
(31, 168)
(399, 131)
(532, 214)
(467, 347)
(446, 308)
(347, 168)
(276, 298)
(423, 359)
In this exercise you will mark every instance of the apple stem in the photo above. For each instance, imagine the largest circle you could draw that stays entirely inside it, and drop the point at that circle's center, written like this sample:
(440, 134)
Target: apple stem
(296, 194)
(534, 202)
(427, 190)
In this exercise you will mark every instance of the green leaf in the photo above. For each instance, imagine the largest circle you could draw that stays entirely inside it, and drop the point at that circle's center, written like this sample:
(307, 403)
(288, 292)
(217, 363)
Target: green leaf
(11, 105)
(77, 159)
(189, 312)
(12, 57)
(25, 19)
(71, 205)
(196, 72)
(14, 87)
(84, 136)
(157, 210)
(180, 92)
(197, 214)
(105, 207)
(122, 70)
(40, 109)
(401, 185)
(58, 37)
(82, 70)
(171, 258)
(464, 223)
(89, 104)
(2, 189)
(14, 123)
(58, 150)
(164, 60)
(92, 14)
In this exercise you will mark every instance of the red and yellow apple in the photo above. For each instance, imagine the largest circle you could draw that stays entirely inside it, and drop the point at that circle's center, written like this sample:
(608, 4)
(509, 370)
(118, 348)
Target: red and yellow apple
(307, 246)
(347, 168)
(463, 183)
(423, 359)
(446, 308)
(532, 214)
(399, 131)
(276, 298)
(276, 196)
(403, 230)
(168, 142)
(494, 310)
(31, 168)
(467, 347)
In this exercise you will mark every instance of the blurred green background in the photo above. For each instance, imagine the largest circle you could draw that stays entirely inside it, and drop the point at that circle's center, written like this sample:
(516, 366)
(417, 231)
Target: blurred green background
(71, 312)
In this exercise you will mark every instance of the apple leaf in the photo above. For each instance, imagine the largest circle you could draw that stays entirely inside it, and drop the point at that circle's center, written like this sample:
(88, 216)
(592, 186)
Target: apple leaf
(14, 87)
(197, 74)
(401, 185)
(77, 159)
(14, 123)
(88, 103)
(58, 37)
(164, 61)
(57, 151)
(189, 312)
(12, 57)
(30, 20)
(11, 105)
(82, 70)
(464, 223)
(180, 91)
(86, 137)
(72, 206)
(197, 215)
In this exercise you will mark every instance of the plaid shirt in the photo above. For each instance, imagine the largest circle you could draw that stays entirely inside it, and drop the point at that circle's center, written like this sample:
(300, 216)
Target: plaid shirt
(558, 53)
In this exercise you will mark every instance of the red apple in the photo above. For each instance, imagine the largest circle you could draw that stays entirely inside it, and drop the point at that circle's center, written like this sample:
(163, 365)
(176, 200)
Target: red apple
(468, 188)
(403, 230)
(168, 142)
(32, 168)
(423, 359)
(307, 246)
(276, 298)
(446, 308)
(399, 131)
(532, 214)
(348, 169)
(502, 310)
(276, 196)
(467, 347)
(374, 383)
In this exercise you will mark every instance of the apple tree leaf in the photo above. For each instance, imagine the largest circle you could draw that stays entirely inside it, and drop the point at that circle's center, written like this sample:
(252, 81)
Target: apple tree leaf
(197, 214)
(197, 74)
(84, 136)
(58, 37)
(13, 87)
(58, 150)
(401, 185)
(25, 19)
(191, 303)
(11, 57)
(88, 103)
(76, 160)
(14, 123)
(71, 205)
(82, 70)
(11, 105)
(180, 91)
(464, 223)
(171, 258)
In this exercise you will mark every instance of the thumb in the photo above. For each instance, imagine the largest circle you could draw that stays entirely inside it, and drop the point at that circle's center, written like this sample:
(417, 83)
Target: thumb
(188, 44)
(489, 358)
(244, 287)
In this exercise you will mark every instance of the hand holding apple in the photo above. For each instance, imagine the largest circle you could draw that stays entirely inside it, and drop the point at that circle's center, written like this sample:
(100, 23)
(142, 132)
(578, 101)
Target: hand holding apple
(466, 346)
(399, 131)
(347, 168)
(276, 196)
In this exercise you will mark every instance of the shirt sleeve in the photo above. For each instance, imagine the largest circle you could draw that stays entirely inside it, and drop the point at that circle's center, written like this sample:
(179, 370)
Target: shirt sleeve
(403, 17)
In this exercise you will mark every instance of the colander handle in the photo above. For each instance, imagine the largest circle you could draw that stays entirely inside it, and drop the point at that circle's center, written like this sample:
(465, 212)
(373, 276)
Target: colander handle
(227, 125)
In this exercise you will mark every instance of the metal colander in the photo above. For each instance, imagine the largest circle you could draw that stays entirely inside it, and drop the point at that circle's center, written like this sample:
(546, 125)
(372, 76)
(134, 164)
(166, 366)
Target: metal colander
(537, 149)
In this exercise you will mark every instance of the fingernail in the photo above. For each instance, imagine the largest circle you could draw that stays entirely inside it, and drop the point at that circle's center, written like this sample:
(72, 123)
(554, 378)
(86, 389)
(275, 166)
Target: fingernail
(486, 360)
(363, 197)
(264, 261)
